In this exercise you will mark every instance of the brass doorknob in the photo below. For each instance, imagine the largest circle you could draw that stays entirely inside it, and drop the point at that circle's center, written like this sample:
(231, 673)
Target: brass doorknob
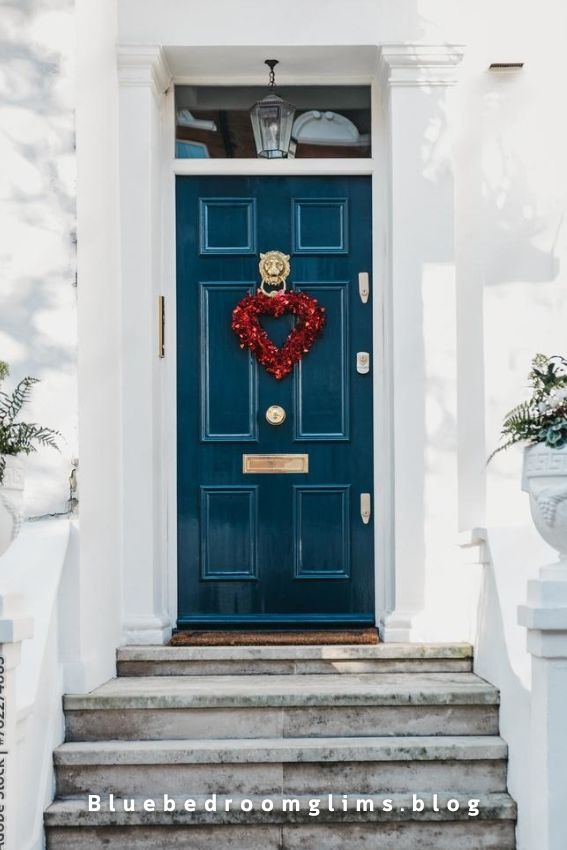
(275, 414)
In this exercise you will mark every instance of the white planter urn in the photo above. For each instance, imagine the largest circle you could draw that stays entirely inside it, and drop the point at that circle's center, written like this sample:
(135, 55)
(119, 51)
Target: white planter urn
(545, 479)
(11, 499)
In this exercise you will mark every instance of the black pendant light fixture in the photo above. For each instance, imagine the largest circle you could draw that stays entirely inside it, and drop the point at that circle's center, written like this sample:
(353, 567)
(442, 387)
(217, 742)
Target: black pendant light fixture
(272, 121)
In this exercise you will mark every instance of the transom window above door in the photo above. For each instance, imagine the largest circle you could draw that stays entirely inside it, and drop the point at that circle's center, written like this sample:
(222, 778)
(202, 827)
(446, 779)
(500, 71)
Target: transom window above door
(328, 122)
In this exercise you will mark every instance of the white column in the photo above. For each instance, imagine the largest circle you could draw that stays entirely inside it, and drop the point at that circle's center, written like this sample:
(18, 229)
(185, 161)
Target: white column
(143, 78)
(14, 628)
(421, 314)
(545, 617)
(92, 590)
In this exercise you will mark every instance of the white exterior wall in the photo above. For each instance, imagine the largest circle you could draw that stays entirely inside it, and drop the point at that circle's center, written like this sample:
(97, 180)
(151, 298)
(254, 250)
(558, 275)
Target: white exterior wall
(38, 317)
(509, 297)
(480, 330)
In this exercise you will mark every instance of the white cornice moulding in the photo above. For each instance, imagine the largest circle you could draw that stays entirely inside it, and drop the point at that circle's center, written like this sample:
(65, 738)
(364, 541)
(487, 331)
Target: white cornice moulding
(143, 65)
(420, 64)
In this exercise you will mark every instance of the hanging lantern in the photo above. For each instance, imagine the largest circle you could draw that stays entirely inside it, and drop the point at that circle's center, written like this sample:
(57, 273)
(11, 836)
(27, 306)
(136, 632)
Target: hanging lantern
(272, 121)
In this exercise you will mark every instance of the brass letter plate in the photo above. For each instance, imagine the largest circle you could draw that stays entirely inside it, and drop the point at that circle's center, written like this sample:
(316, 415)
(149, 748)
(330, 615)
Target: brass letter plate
(275, 463)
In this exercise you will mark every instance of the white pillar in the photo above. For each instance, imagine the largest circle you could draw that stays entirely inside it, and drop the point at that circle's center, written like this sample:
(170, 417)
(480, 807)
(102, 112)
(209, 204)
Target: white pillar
(143, 78)
(92, 589)
(14, 628)
(421, 307)
(545, 617)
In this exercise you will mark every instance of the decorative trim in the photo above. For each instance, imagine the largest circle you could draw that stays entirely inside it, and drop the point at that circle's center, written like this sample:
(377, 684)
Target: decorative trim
(208, 288)
(314, 288)
(549, 500)
(208, 571)
(146, 631)
(277, 167)
(420, 64)
(474, 546)
(13, 473)
(297, 206)
(542, 461)
(274, 621)
(206, 204)
(398, 626)
(304, 572)
(145, 66)
(15, 514)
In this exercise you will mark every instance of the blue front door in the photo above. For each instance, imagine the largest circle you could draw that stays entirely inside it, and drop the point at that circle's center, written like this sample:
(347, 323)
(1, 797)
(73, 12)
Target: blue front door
(275, 550)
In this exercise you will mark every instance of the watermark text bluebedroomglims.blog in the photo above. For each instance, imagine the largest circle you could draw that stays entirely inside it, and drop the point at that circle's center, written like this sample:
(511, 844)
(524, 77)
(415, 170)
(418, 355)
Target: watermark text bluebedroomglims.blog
(313, 805)
(3, 752)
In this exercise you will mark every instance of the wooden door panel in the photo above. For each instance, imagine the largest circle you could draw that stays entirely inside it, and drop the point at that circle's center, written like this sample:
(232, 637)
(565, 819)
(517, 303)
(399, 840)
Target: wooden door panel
(322, 385)
(228, 408)
(273, 550)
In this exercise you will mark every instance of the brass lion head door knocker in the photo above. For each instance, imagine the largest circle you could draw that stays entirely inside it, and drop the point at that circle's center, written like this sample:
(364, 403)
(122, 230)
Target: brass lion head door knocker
(274, 270)
(272, 299)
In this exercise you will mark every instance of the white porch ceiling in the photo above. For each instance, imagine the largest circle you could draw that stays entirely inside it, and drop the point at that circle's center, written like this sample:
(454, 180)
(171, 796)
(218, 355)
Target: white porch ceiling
(245, 65)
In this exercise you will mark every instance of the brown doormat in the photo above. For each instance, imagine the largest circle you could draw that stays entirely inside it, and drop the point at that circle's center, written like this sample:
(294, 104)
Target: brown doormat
(353, 636)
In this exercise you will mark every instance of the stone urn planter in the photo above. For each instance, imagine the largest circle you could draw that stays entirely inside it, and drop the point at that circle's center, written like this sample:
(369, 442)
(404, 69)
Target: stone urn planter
(545, 479)
(11, 498)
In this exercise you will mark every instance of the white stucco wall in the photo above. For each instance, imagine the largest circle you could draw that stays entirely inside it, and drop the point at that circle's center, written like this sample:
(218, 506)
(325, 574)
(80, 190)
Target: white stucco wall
(511, 250)
(513, 197)
(509, 178)
(510, 135)
(510, 182)
(511, 186)
(38, 320)
(510, 241)
(59, 289)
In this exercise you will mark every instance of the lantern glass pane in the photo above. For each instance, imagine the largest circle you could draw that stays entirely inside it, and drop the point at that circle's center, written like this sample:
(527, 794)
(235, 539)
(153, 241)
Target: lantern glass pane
(272, 121)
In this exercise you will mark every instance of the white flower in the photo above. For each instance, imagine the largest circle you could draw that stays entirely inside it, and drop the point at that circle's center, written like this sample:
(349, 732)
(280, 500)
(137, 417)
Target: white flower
(542, 407)
(556, 399)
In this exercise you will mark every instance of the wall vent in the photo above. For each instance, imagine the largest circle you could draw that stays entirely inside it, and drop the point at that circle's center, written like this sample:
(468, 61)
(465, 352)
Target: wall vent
(505, 66)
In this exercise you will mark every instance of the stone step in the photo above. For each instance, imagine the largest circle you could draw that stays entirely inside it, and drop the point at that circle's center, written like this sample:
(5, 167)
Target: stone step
(178, 707)
(70, 826)
(293, 660)
(290, 766)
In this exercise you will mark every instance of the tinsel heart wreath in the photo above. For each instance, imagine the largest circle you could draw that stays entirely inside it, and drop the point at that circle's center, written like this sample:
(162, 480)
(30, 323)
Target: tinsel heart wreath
(278, 362)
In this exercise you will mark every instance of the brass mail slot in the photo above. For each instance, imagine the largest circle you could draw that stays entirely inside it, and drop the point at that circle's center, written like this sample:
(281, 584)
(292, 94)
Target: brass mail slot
(275, 463)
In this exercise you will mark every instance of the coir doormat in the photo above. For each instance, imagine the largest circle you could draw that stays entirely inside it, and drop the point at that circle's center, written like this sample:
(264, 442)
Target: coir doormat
(352, 636)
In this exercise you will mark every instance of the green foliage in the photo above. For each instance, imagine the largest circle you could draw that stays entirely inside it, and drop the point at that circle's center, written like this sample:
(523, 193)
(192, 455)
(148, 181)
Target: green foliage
(20, 437)
(542, 419)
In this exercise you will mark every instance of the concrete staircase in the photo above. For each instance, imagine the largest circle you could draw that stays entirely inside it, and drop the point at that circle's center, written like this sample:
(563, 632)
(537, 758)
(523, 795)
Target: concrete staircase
(261, 725)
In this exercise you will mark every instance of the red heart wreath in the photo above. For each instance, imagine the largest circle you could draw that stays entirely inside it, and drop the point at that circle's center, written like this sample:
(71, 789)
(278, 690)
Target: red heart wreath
(278, 362)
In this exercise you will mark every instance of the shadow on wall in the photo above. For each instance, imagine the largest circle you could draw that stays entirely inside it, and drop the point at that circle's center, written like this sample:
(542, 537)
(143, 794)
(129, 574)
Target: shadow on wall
(37, 221)
(523, 203)
(514, 556)
(515, 224)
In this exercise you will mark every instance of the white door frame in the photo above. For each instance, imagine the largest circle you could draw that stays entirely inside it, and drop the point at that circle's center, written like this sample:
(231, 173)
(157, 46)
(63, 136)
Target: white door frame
(408, 88)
